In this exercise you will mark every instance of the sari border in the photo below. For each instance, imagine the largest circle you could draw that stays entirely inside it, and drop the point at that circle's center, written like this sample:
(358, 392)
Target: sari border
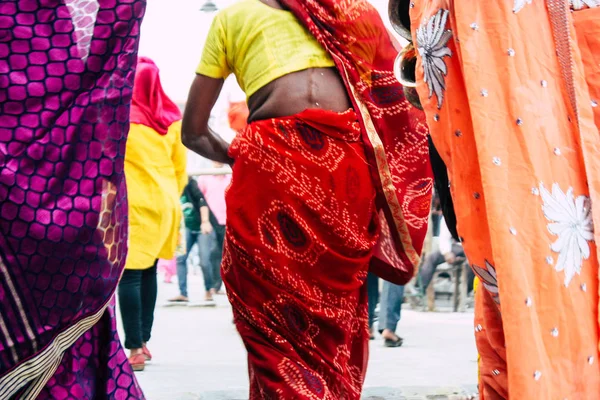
(36, 386)
(385, 175)
(40, 365)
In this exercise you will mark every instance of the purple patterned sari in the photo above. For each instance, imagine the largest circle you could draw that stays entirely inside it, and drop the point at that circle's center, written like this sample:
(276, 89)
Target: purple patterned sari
(66, 77)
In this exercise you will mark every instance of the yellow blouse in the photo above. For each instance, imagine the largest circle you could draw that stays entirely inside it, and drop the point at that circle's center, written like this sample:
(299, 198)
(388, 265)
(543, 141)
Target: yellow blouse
(156, 176)
(258, 44)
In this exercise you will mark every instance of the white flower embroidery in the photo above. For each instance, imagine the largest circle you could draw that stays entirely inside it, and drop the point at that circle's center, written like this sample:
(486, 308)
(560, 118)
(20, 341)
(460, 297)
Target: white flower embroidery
(432, 40)
(579, 4)
(489, 279)
(570, 220)
(519, 4)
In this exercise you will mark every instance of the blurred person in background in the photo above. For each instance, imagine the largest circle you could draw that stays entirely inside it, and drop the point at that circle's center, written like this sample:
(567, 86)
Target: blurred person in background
(307, 213)
(66, 78)
(237, 112)
(197, 217)
(449, 251)
(392, 298)
(155, 165)
(213, 232)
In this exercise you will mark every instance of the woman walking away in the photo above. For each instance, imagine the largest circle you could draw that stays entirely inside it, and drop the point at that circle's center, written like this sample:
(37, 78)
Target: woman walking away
(155, 168)
(66, 78)
(330, 180)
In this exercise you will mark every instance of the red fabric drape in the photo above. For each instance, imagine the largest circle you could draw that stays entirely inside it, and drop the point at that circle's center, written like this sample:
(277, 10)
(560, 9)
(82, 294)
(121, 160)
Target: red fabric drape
(394, 132)
(150, 104)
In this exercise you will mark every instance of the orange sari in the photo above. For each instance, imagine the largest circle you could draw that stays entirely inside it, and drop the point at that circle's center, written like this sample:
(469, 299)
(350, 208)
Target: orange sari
(510, 91)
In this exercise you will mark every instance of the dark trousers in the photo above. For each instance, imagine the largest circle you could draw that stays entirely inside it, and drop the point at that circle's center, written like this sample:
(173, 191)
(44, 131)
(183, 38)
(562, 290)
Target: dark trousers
(436, 258)
(373, 295)
(392, 297)
(137, 299)
(216, 256)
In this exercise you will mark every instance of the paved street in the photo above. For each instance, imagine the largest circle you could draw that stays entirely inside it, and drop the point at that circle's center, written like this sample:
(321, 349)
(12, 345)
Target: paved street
(198, 355)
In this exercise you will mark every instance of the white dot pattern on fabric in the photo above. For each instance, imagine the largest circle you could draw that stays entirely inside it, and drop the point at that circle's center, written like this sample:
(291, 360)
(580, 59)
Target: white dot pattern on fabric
(510, 52)
(474, 26)
(528, 302)
(554, 332)
(497, 161)
(513, 231)
(537, 375)
(544, 83)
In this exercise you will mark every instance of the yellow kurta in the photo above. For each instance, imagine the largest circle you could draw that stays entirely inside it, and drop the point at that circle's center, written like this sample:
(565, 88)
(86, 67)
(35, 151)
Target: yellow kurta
(156, 176)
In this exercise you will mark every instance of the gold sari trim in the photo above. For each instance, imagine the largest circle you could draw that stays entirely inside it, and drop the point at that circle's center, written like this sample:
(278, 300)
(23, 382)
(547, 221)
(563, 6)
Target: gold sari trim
(42, 367)
(385, 176)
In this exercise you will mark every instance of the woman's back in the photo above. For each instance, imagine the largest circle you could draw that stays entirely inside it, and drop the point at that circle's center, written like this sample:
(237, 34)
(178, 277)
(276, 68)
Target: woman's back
(155, 170)
(154, 165)
(280, 66)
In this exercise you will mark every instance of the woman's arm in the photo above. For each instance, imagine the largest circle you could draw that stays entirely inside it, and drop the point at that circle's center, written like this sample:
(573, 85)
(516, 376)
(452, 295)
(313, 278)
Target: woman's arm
(196, 135)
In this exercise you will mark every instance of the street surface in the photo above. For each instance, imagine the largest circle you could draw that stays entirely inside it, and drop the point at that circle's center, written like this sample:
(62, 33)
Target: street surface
(198, 355)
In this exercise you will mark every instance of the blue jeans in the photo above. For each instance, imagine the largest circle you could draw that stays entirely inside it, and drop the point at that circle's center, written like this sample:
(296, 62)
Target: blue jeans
(392, 297)
(191, 238)
(206, 244)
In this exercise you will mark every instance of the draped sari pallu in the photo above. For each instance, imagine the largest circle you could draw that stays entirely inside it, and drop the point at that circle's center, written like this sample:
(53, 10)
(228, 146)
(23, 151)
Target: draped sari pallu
(316, 201)
(66, 77)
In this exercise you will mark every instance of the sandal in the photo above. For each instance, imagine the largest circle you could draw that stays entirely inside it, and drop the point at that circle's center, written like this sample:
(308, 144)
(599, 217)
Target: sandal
(138, 362)
(393, 342)
(179, 299)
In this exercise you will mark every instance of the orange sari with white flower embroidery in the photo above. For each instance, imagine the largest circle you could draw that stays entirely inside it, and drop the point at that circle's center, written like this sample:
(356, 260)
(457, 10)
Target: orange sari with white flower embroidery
(510, 92)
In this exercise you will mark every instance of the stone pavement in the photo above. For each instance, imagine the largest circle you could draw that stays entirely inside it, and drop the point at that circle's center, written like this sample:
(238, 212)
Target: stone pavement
(199, 356)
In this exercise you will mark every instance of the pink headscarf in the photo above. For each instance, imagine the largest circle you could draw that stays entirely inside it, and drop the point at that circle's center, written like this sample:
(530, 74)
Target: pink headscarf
(150, 104)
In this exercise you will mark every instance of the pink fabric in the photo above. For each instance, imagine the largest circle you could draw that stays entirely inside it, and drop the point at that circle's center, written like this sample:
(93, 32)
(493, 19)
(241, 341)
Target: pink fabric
(150, 105)
(168, 268)
(213, 188)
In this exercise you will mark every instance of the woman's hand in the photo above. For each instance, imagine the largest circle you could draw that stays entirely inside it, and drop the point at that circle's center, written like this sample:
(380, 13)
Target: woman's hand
(206, 228)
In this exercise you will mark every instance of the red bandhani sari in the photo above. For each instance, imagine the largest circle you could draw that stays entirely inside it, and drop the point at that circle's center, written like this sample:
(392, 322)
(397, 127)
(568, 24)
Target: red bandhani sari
(316, 200)
(393, 131)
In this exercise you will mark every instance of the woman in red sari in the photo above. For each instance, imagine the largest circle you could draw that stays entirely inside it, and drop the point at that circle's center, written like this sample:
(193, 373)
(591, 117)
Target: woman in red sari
(330, 180)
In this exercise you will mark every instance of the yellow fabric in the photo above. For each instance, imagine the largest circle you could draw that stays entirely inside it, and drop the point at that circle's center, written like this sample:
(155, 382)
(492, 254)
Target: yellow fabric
(259, 44)
(156, 176)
